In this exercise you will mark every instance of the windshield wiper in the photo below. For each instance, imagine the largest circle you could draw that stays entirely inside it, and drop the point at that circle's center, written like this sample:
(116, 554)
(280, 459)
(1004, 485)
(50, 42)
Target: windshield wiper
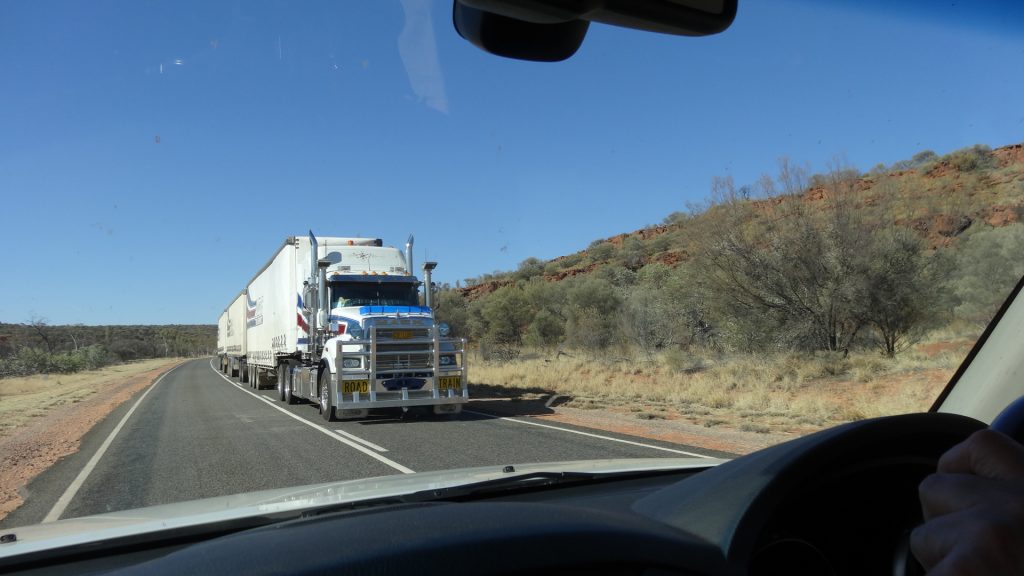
(486, 488)
(529, 480)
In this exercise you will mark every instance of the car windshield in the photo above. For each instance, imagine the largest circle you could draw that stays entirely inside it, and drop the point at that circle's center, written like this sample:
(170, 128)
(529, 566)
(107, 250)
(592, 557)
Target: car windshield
(661, 247)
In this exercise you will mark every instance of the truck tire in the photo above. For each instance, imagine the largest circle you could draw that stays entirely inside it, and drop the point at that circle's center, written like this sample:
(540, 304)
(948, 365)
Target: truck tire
(326, 410)
(282, 380)
(243, 373)
(289, 383)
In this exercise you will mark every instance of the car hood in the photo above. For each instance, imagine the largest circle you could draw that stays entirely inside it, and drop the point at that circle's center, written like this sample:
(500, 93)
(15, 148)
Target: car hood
(288, 502)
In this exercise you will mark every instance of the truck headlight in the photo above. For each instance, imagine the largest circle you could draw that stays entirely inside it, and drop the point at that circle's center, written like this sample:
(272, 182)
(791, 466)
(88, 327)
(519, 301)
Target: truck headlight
(447, 360)
(350, 363)
(443, 329)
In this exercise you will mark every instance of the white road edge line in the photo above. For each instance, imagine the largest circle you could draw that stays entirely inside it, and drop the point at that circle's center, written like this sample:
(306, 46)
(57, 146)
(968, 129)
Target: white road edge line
(580, 432)
(76, 484)
(343, 440)
(355, 438)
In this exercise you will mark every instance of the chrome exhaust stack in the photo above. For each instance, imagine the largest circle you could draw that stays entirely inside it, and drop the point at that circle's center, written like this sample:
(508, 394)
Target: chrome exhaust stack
(408, 256)
(428, 268)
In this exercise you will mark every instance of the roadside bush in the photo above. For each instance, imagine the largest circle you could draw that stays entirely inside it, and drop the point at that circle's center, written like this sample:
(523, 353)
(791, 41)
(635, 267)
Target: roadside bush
(591, 329)
(592, 314)
(505, 314)
(28, 361)
(451, 307)
(987, 267)
(546, 330)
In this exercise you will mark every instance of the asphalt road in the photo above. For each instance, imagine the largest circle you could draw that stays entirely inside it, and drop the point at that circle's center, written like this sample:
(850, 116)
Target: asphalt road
(196, 434)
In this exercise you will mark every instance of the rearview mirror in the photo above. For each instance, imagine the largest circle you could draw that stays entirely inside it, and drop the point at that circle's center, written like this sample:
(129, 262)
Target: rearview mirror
(552, 30)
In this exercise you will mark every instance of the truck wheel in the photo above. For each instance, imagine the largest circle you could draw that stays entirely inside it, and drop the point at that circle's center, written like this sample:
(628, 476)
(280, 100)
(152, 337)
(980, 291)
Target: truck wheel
(289, 382)
(243, 374)
(326, 410)
(282, 377)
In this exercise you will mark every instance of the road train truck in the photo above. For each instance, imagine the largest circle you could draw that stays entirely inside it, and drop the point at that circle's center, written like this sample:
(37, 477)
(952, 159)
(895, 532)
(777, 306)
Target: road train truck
(231, 337)
(339, 322)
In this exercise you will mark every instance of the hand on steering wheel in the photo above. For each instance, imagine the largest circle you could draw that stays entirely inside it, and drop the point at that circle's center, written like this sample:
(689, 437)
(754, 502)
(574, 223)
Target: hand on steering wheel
(974, 504)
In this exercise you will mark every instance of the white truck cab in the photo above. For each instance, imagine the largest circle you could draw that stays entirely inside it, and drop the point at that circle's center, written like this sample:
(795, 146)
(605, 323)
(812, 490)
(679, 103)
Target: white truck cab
(338, 321)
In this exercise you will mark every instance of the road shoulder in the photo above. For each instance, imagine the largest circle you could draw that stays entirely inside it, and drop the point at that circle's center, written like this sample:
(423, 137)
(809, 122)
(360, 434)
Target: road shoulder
(28, 451)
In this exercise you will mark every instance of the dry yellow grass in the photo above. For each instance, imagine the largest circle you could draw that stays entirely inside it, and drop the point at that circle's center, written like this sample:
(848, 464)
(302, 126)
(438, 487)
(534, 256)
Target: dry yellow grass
(780, 393)
(26, 398)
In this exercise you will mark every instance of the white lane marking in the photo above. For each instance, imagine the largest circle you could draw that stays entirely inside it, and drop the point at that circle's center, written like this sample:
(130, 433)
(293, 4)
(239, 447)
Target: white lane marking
(355, 438)
(76, 484)
(581, 433)
(326, 431)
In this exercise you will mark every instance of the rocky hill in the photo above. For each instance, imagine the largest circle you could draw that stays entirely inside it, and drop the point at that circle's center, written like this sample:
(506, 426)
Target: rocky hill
(940, 198)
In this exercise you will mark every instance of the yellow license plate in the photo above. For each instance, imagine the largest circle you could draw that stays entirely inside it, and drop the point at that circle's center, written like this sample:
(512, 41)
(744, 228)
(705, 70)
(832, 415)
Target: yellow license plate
(350, 386)
(401, 334)
(449, 383)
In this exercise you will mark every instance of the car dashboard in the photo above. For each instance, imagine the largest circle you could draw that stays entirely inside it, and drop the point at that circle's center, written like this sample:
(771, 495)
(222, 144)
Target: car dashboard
(836, 502)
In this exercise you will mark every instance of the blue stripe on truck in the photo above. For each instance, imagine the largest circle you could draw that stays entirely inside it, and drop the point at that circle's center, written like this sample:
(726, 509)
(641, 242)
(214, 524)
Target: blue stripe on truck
(367, 310)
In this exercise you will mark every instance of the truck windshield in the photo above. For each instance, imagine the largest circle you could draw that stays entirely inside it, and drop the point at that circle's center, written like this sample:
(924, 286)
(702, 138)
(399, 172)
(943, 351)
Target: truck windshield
(372, 294)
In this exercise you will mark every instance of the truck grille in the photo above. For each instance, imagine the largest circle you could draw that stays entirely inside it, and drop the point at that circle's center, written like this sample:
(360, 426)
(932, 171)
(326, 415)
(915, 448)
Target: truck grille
(416, 357)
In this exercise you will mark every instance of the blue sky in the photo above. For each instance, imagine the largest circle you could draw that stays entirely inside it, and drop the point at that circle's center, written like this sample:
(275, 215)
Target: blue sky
(154, 155)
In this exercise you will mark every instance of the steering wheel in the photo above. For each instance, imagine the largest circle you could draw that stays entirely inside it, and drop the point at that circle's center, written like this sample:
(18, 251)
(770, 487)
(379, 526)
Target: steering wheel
(1009, 422)
(840, 501)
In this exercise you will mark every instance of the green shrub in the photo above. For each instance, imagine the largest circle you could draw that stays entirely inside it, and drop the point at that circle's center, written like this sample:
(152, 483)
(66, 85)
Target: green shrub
(973, 158)
(28, 361)
(987, 267)
(529, 268)
(601, 251)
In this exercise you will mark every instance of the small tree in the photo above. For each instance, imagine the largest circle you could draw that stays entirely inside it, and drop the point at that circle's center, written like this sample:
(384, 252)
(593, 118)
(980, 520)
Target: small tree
(39, 327)
(592, 314)
(505, 314)
(649, 321)
(902, 290)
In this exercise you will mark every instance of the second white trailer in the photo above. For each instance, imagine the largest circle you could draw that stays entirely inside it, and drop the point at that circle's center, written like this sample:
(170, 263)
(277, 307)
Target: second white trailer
(231, 337)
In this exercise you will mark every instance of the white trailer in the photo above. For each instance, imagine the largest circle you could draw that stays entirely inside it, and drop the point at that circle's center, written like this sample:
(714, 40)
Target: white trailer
(337, 321)
(231, 337)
